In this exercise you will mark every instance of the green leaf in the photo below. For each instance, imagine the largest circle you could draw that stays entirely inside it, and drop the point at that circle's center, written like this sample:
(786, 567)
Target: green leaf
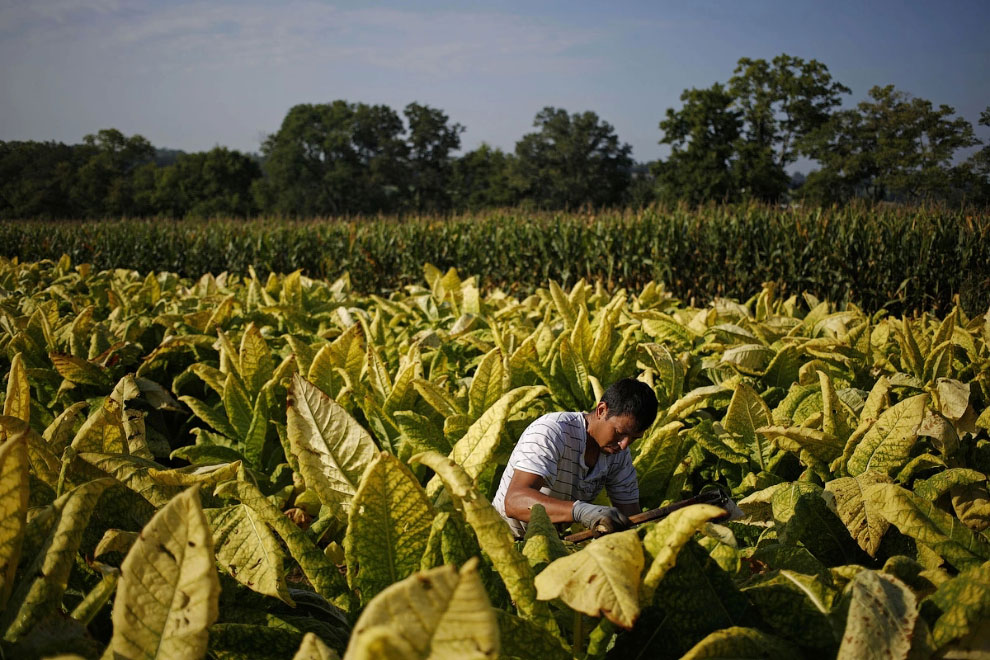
(657, 459)
(80, 371)
(522, 640)
(821, 531)
(964, 602)
(886, 447)
(797, 607)
(13, 510)
(440, 613)
(247, 549)
(601, 579)
(665, 539)
(494, 536)
(256, 363)
(40, 593)
(237, 404)
(935, 486)
(133, 473)
(865, 524)
(740, 643)
(318, 569)
(242, 641)
(333, 450)
(543, 544)
(216, 419)
(927, 524)
(167, 596)
(882, 614)
(823, 447)
(17, 403)
(387, 528)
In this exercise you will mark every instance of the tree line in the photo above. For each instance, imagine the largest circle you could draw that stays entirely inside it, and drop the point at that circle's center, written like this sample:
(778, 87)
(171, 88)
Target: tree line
(732, 141)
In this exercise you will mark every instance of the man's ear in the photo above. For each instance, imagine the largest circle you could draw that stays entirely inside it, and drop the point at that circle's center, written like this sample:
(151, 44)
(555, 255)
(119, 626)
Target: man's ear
(601, 410)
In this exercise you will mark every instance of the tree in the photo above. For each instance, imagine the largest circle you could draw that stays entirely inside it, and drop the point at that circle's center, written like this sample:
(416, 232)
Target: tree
(703, 137)
(104, 183)
(482, 178)
(431, 142)
(889, 146)
(216, 183)
(572, 160)
(334, 158)
(36, 179)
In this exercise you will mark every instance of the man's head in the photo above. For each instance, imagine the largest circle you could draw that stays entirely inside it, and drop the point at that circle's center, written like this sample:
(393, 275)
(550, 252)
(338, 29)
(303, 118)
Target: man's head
(626, 410)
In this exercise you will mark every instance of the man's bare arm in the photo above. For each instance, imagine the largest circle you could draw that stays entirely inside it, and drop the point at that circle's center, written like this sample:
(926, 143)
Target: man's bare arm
(524, 491)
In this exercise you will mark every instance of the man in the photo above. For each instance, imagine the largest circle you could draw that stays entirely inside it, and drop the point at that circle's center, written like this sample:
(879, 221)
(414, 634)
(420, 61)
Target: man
(563, 460)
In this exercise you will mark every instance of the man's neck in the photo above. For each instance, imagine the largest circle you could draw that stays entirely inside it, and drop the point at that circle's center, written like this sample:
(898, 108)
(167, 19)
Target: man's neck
(591, 448)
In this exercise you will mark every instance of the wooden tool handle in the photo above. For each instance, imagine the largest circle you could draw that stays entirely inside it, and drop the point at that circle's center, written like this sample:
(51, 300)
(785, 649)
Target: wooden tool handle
(711, 497)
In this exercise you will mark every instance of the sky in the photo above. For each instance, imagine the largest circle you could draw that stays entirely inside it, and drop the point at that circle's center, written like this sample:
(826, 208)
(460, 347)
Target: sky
(191, 74)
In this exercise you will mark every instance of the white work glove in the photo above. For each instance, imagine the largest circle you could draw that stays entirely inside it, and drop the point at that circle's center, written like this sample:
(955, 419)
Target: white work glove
(599, 519)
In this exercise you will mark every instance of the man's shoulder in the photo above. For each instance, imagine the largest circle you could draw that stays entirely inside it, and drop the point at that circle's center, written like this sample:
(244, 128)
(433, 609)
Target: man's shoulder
(558, 426)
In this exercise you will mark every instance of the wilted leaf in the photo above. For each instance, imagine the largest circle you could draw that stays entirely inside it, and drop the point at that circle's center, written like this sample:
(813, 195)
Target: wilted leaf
(935, 486)
(115, 540)
(601, 579)
(881, 618)
(440, 613)
(387, 527)
(167, 596)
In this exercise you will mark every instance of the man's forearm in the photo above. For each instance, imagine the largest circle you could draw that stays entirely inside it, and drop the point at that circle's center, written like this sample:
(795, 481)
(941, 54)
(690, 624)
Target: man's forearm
(518, 505)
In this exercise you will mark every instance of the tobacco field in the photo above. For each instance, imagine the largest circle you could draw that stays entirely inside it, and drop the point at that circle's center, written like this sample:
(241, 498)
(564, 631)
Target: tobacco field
(281, 467)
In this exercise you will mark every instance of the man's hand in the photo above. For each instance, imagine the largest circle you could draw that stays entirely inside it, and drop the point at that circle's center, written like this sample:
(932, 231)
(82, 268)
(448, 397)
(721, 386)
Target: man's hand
(600, 519)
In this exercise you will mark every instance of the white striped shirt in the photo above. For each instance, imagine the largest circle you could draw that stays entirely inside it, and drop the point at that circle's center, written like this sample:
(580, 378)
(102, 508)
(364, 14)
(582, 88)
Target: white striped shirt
(553, 448)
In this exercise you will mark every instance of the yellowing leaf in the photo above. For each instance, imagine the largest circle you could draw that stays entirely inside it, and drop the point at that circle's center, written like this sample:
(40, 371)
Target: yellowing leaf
(665, 539)
(740, 644)
(387, 528)
(601, 579)
(747, 412)
(475, 450)
(248, 550)
(313, 648)
(493, 535)
(440, 613)
(964, 602)
(168, 593)
(48, 572)
(881, 619)
(333, 450)
(318, 569)
(17, 403)
(13, 510)
(865, 524)
(486, 386)
(543, 544)
(927, 524)
(886, 447)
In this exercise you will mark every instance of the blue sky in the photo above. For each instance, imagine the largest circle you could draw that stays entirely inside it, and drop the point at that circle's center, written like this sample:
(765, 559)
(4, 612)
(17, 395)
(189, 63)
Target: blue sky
(194, 74)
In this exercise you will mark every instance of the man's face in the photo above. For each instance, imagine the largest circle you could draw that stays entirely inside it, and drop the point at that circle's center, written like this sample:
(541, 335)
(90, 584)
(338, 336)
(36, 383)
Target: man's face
(614, 434)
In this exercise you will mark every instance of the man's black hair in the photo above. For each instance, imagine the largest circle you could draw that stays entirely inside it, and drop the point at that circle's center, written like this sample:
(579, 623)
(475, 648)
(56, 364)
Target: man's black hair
(631, 397)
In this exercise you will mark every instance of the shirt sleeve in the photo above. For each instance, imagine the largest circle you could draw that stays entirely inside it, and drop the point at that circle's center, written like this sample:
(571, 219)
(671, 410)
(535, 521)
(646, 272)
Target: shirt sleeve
(538, 451)
(621, 483)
